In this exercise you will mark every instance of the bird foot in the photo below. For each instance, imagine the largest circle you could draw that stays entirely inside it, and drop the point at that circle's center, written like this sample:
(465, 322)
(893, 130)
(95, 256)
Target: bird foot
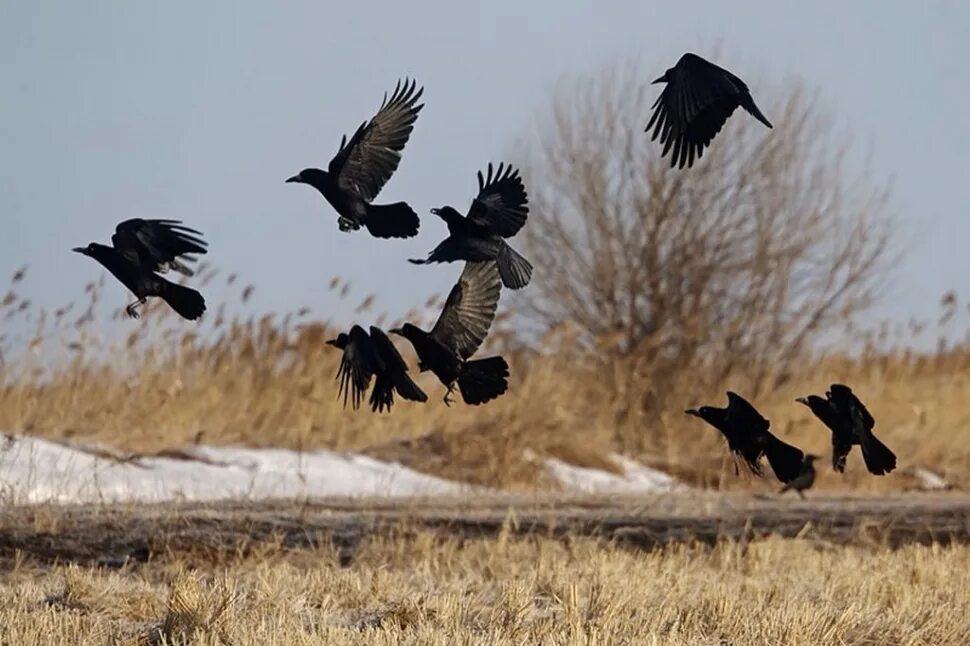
(448, 398)
(132, 310)
(348, 225)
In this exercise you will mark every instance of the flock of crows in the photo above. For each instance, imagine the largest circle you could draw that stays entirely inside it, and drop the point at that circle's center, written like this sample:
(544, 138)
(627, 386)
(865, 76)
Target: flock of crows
(695, 103)
(748, 437)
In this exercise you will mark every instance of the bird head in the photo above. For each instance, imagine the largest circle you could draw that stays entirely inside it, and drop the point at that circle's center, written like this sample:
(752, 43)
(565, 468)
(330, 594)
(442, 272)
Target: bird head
(663, 79)
(703, 412)
(311, 176)
(340, 342)
(87, 251)
(447, 213)
(407, 331)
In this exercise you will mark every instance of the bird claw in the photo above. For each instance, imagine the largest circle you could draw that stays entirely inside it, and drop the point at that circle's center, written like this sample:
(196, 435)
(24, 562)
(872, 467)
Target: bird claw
(448, 398)
(132, 311)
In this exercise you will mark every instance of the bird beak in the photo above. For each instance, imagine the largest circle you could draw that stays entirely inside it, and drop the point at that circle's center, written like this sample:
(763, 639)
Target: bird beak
(83, 250)
(693, 411)
(435, 211)
(295, 178)
(802, 400)
(398, 331)
(662, 79)
(332, 342)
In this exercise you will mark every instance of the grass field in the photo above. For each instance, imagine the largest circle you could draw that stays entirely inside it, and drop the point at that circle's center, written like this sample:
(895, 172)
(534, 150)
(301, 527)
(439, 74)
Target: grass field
(270, 383)
(420, 589)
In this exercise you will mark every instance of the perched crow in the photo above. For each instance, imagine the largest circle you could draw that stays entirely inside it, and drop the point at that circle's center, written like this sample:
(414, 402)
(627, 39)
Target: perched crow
(361, 168)
(140, 248)
(498, 212)
(850, 423)
(748, 437)
(366, 356)
(698, 99)
(805, 478)
(458, 333)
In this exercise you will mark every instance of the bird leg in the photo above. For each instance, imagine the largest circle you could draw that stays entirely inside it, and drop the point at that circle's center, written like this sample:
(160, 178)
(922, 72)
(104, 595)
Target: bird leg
(131, 309)
(448, 399)
(800, 494)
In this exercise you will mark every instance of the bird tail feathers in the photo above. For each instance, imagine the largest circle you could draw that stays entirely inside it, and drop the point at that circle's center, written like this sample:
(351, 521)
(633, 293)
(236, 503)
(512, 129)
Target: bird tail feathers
(396, 220)
(187, 302)
(880, 460)
(515, 270)
(785, 459)
(483, 380)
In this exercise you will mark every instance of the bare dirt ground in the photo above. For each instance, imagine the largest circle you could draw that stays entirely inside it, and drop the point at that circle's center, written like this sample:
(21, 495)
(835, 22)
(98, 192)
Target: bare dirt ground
(112, 535)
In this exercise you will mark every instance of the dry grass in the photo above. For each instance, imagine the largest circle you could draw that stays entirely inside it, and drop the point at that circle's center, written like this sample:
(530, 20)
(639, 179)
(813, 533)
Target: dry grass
(270, 383)
(507, 591)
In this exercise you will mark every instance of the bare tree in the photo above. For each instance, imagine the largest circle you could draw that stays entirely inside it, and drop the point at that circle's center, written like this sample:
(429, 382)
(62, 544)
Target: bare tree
(767, 243)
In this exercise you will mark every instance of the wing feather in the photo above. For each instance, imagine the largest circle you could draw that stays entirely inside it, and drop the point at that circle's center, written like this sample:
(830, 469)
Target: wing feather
(470, 309)
(502, 205)
(365, 163)
(158, 245)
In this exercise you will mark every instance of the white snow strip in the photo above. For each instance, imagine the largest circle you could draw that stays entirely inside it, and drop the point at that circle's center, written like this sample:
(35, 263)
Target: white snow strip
(636, 478)
(33, 470)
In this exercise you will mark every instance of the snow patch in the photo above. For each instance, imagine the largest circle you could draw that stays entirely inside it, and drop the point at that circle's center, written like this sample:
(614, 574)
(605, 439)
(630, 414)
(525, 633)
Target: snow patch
(636, 478)
(33, 470)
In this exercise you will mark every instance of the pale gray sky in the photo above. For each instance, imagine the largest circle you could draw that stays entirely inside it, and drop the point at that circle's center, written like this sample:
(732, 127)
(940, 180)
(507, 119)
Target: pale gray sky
(199, 111)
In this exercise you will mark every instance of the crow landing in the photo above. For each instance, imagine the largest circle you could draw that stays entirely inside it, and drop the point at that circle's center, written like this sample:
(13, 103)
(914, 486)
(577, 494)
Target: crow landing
(498, 212)
(698, 99)
(748, 437)
(367, 356)
(359, 170)
(458, 333)
(805, 479)
(143, 248)
(851, 424)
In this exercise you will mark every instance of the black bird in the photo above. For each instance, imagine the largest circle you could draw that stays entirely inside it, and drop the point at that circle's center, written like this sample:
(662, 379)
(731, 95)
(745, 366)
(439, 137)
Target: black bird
(141, 249)
(367, 356)
(748, 437)
(498, 212)
(851, 424)
(361, 167)
(698, 99)
(805, 478)
(842, 435)
(458, 333)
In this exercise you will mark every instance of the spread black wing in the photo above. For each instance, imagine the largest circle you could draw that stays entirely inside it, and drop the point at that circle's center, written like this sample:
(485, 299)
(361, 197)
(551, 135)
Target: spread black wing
(502, 204)
(470, 309)
(360, 361)
(693, 107)
(394, 376)
(158, 245)
(364, 165)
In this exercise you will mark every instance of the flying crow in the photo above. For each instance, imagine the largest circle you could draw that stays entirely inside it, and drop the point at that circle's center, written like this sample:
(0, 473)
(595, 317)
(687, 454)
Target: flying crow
(748, 437)
(851, 424)
(368, 356)
(458, 333)
(698, 99)
(361, 168)
(140, 250)
(498, 212)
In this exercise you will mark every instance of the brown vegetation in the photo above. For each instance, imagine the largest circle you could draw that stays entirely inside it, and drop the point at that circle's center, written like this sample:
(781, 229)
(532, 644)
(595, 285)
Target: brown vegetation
(505, 590)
